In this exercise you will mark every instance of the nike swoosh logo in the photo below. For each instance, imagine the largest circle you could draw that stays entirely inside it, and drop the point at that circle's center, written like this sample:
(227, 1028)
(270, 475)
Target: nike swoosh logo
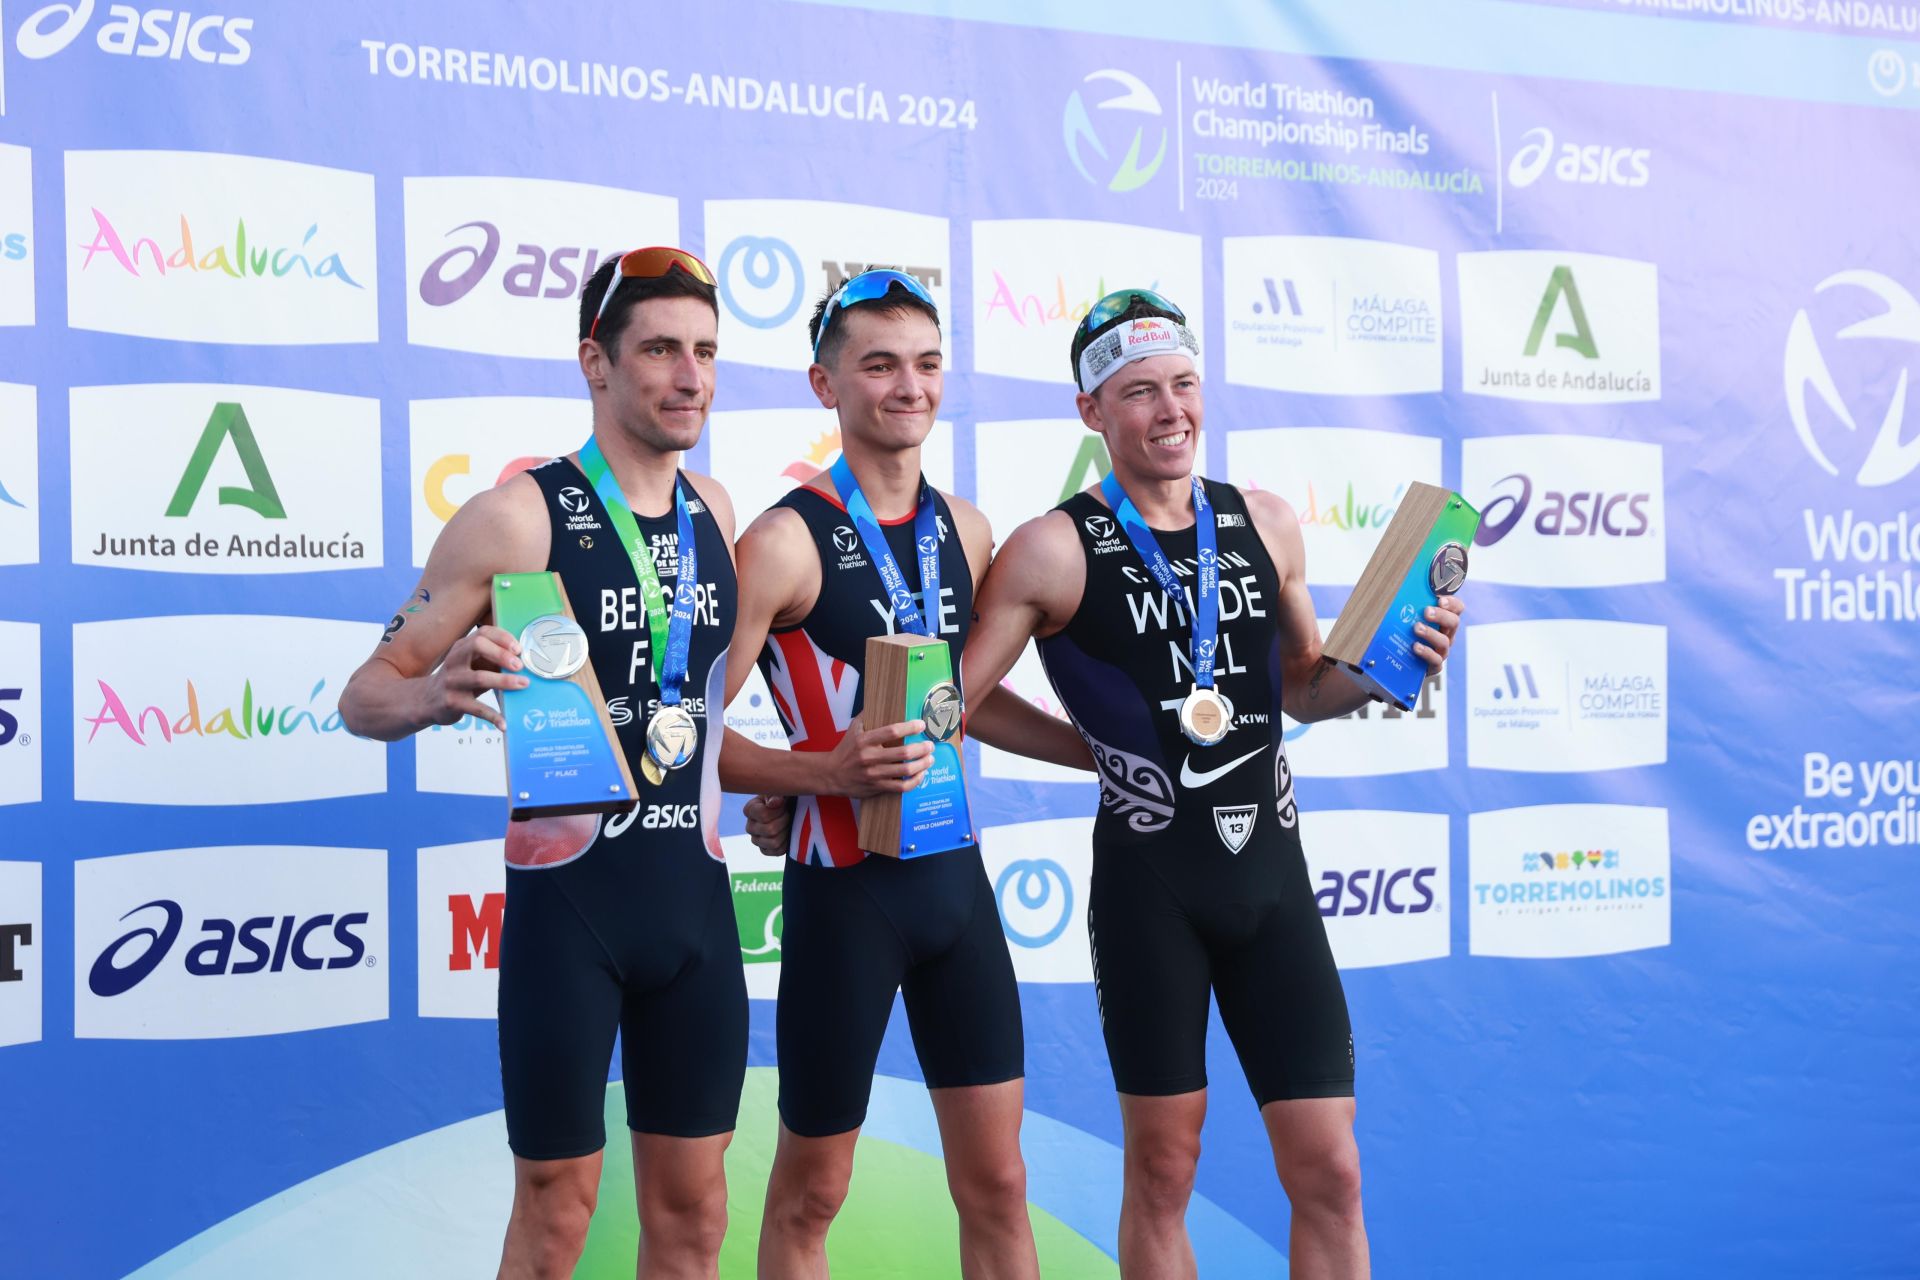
(1191, 779)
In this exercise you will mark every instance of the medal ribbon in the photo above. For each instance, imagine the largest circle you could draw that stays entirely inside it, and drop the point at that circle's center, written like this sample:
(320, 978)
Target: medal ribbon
(1206, 611)
(671, 624)
(926, 539)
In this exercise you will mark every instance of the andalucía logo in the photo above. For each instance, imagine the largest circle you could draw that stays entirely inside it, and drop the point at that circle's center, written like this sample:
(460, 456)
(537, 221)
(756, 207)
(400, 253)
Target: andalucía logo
(1094, 146)
(255, 471)
(215, 255)
(218, 710)
(196, 246)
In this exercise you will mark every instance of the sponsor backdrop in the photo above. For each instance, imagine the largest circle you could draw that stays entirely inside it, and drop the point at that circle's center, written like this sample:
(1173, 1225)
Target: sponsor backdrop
(283, 285)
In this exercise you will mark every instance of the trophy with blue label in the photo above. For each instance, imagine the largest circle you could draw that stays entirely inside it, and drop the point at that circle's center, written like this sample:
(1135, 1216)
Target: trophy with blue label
(909, 675)
(1421, 557)
(563, 755)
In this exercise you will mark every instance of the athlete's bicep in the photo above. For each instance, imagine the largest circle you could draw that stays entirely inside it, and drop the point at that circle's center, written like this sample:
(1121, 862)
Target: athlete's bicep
(489, 535)
(779, 578)
(1024, 595)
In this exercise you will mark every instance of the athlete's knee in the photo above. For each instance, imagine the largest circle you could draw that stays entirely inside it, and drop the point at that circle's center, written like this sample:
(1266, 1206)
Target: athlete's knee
(1325, 1179)
(1160, 1173)
(990, 1190)
(804, 1198)
(691, 1221)
(552, 1207)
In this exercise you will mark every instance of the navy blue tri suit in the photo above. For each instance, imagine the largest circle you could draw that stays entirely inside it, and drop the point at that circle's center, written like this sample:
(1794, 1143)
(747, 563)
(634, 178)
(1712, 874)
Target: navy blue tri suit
(626, 922)
(1198, 877)
(856, 928)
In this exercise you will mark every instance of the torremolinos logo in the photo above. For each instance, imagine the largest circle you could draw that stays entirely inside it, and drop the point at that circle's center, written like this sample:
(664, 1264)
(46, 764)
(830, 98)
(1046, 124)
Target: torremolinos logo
(1858, 568)
(16, 235)
(1566, 696)
(218, 710)
(225, 479)
(772, 259)
(130, 31)
(1123, 108)
(183, 944)
(1344, 485)
(1381, 882)
(1331, 315)
(203, 247)
(1568, 880)
(1561, 327)
(22, 943)
(1566, 511)
(497, 265)
(1034, 279)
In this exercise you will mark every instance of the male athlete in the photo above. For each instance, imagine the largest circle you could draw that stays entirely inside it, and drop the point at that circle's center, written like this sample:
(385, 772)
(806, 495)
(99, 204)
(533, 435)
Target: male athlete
(624, 924)
(1173, 619)
(856, 929)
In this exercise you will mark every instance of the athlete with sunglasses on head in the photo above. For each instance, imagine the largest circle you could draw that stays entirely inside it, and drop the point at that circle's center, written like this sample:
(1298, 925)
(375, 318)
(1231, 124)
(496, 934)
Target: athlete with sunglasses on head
(1173, 618)
(857, 929)
(612, 924)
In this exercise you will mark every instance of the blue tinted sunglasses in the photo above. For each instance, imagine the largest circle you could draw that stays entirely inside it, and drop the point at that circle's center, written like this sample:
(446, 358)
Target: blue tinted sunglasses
(1114, 305)
(868, 286)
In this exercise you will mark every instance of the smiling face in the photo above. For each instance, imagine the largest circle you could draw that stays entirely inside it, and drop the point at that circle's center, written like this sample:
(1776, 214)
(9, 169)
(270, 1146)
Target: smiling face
(659, 390)
(1150, 414)
(885, 380)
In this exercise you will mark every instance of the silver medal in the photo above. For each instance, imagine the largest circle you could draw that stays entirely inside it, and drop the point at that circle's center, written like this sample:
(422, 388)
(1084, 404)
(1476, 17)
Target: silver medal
(672, 737)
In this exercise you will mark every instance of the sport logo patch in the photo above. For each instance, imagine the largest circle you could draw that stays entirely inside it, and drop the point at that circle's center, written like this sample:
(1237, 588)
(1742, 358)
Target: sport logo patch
(845, 540)
(1100, 527)
(573, 500)
(1234, 822)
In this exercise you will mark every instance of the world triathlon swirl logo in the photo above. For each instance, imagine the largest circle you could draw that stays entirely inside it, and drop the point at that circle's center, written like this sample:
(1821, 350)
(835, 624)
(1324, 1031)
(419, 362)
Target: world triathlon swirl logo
(1036, 901)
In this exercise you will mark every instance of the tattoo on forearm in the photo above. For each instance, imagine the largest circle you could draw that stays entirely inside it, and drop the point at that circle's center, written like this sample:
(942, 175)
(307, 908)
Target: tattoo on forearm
(1319, 674)
(418, 601)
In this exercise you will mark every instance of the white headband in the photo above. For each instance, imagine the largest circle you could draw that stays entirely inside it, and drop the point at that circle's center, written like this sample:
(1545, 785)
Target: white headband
(1135, 340)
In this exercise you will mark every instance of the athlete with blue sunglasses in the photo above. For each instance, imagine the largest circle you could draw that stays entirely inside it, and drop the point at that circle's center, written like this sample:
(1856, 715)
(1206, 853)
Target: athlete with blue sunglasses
(857, 929)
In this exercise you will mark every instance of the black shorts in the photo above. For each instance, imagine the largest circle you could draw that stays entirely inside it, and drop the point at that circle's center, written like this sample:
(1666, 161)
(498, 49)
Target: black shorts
(1158, 950)
(631, 939)
(853, 936)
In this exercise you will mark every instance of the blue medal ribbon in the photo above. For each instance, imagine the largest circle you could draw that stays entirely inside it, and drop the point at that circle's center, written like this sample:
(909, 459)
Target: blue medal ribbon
(907, 613)
(669, 622)
(1206, 601)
